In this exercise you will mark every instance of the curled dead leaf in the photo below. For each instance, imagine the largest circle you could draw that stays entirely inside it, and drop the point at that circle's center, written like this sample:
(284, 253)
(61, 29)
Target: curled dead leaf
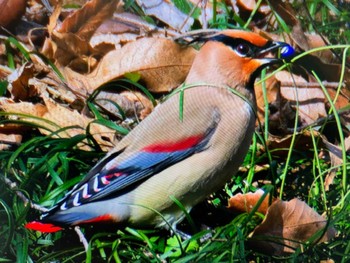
(84, 21)
(287, 226)
(246, 202)
(68, 43)
(19, 82)
(316, 41)
(288, 14)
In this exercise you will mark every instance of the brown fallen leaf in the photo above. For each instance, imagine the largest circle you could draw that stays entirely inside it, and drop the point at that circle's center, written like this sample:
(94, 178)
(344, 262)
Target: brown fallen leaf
(286, 11)
(250, 5)
(162, 64)
(335, 154)
(8, 140)
(272, 93)
(19, 82)
(316, 41)
(113, 33)
(4, 70)
(8, 105)
(53, 117)
(287, 226)
(87, 19)
(133, 103)
(286, 91)
(310, 99)
(11, 11)
(246, 202)
(281, 113)
(64, 117)
(168, 13)
(343, 96)
(68, 43)
(303, 141)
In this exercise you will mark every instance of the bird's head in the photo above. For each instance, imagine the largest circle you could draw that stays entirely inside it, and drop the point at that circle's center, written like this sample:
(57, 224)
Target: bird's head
(235, 58)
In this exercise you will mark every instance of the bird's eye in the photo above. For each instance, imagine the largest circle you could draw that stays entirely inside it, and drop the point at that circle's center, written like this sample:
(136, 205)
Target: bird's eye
(243, 49)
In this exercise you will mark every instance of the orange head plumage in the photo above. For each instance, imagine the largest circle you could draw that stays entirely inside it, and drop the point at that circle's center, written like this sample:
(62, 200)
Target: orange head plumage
(234, 58)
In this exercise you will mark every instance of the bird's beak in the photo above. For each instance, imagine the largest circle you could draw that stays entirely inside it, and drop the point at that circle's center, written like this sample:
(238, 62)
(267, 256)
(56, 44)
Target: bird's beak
(272, 53)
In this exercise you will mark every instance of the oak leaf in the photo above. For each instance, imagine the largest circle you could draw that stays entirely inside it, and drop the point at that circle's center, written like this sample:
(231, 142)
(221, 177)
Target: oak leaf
(288, 225)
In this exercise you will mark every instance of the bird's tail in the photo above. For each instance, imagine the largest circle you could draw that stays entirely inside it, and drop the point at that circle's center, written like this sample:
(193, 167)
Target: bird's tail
(43, 227)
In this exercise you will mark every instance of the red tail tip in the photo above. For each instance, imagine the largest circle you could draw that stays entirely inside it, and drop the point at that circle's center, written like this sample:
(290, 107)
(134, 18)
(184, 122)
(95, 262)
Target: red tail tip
(42, 227)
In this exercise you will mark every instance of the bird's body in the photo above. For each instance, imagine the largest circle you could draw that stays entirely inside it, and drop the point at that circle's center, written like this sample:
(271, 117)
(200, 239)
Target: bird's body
(183, 151)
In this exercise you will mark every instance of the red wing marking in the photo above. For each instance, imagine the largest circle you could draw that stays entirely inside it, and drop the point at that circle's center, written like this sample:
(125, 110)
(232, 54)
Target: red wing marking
(98, 219)
(174, 146)
(42, 227)
(110, 176)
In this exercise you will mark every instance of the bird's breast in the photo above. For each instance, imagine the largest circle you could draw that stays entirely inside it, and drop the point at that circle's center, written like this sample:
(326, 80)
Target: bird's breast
(191, 180)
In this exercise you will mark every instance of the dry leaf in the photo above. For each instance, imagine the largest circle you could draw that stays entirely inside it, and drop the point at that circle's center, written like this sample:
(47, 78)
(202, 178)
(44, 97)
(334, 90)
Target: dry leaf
(303, 140)
(343, 98)
(281, 113)
(287, 12)
(19, 82)
(250, 5)
(54, 117)
(133, 103)
(272, 93)
(64, 117)
(4, 71)
(28, 108)
(87, 19)
(10, 11)
(69, 42)
(286, 91)
(316, 41)
(335, 154)
(167, 13)
(287, 225)
(311, 100)
(8, 140)
(113, 33)
(246, 202)
(162, 64)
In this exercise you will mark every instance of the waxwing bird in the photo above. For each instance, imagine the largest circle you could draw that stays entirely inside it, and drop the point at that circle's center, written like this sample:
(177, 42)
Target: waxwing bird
(185, 152)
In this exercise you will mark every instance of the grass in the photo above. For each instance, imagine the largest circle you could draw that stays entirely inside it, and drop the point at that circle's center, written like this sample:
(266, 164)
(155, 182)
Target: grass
(45, 167)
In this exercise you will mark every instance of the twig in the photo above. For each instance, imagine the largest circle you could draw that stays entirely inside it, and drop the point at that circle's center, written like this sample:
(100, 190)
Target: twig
(26, 201)
(82, 238)
(310, 84)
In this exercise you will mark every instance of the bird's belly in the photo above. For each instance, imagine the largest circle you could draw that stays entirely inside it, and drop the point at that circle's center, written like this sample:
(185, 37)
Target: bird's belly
(193, 179)
(188, 182)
